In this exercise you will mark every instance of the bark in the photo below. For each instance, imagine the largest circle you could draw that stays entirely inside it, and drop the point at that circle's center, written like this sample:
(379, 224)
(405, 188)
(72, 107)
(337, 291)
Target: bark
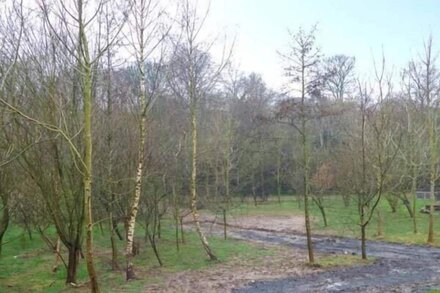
(224, 224)
(176, 215)
(159, 226)
(130, 273)
(72, 265)
(305, 162)
(115, 265)
(361, 204)
(414, 202)
(4, 221)
(182, 233)
(263, 193)
(324, 216)
(87, 174)
(307, 218)
(393, 202)
(216, 176)
(254, 194)
(193, 185)
(363, 242)
(433, 165)
(279, 173)
(57, 251)
(430, 239)
(318, 200)
(379, 223)
(152, 240)
(116, 230)
(406, 202)
(176, 224)
(88, 190)
(408, 207)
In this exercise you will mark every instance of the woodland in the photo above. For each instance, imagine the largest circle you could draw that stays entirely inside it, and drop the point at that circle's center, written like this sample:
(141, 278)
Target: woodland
(122, 132)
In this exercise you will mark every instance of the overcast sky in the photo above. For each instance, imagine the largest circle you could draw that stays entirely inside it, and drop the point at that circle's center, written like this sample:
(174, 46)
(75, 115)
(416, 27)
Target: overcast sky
(353, 27)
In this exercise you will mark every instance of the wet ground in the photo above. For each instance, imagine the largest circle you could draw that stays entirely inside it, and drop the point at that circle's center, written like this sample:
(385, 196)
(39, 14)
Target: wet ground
(398, 268)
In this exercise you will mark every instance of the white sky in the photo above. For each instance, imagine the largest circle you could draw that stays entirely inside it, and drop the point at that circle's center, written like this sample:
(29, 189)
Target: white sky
(353, 27)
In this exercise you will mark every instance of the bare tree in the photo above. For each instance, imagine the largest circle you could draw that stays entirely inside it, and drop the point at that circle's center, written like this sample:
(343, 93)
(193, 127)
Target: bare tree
(192, 76)
(145, 36)
(425, 85)
(339, 77)
(301, 69)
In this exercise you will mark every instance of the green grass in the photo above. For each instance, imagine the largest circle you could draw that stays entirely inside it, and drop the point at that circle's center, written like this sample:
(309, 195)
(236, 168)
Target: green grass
(343, 221)
(331, 261)
(26, 264)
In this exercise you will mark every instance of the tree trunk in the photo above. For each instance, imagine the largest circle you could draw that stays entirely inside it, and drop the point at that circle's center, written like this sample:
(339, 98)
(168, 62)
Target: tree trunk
(414, 201)
(393, 202)
(433, 164)
(430, 239)
(363, 244)
(116, 229)
(324, 217)
(4, 222)
(88, 195)
(159, 226)
(379, 223)
(182, 233)
(57, 252)
(176, 214)
(306, 173)
(115, 265)
(308, 229)
(176, 224)
(101, 228)
(254, 194)
(87, 100)
(224, 224)
(152, 240)
(130, 273)
(346, 200)
(193, 185)
(279, 173)
(409, 208)
(207, 192)
(263, 193)
(72, 265)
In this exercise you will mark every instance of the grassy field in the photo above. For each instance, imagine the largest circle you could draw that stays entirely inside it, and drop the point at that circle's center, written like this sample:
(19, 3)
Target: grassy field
(343, 221)
(26, 264)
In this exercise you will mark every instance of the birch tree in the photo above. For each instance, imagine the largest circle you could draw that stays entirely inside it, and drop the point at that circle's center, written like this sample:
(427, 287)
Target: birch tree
(145, 36)
(192, 76)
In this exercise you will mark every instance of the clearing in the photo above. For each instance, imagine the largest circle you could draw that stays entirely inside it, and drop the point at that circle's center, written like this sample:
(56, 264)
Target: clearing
(394, 268)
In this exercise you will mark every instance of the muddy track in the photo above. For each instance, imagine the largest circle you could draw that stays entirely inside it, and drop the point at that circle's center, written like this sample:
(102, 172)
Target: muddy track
(398, 268)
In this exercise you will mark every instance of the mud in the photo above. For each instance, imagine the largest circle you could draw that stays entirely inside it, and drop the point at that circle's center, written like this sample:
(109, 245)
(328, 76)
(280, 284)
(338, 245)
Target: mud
(398, 268)
(287, 224)
(223, 277)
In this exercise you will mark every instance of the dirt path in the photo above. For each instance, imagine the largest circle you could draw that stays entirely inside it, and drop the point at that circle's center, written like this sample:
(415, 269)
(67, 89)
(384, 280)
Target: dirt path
(236, 273)
(287, 224)
(282, 262)
(399, 268)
